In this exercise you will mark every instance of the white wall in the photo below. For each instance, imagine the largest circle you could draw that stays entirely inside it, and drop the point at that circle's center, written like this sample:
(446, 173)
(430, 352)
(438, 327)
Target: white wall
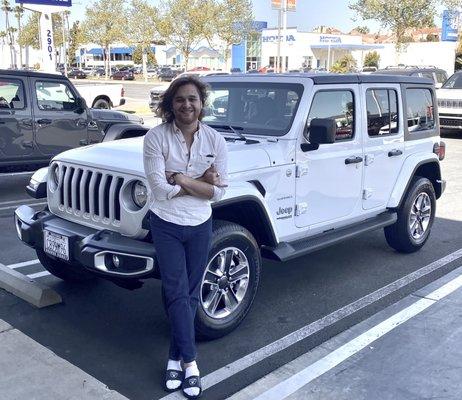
(439, 54)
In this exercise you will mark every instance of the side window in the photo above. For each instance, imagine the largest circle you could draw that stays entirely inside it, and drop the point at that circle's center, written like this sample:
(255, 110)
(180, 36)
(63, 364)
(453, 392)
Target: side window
(419, 110)
(382, 112)
(11, 94)
(338, 105)
(54, 96)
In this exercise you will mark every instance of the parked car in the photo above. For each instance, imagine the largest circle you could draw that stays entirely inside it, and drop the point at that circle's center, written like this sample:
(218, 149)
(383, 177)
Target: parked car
(42, 115)
(125, 75)
(450, 103)
(437, 75)
(313, 160)
(167, 74)
(77, 74)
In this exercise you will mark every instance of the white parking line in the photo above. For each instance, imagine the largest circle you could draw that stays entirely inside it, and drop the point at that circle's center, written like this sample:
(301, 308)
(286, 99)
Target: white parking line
(16, 205)
(255, 357)
(38, 274)
(284, 389)
(23, 264)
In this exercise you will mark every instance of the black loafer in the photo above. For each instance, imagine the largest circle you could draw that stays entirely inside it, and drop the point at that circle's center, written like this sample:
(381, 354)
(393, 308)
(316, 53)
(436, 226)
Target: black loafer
(173, 375)
(192, 382)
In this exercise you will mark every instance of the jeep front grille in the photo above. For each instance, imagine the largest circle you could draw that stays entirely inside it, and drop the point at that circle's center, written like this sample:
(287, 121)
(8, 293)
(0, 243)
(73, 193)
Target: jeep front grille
(90, 194)
(447, 103)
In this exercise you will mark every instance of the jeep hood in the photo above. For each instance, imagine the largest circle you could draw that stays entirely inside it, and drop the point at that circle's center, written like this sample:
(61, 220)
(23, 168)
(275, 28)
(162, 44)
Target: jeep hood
(101, 115)
(126, 156)
(449, 94)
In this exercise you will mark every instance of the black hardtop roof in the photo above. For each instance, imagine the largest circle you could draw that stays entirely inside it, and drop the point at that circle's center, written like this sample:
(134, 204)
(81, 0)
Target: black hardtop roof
(327, 78)
(36, 74)
(407, 71)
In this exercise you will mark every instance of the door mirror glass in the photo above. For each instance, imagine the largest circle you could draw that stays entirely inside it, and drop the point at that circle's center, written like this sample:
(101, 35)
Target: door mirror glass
(80, 104)
(322, 131)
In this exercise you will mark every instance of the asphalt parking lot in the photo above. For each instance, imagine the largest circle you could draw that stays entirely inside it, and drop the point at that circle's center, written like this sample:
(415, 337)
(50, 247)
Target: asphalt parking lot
(120, 337)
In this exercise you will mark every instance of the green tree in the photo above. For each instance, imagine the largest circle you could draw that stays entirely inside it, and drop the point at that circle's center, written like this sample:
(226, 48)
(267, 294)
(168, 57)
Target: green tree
(230, 21)
(397, 15)
(138, 55)
(3, 36)
(103, 24)
(362, 29)
(346, 64)
(29, 35)
(18, 13)
(183, 23)
(372, 59)
(76, 38)
(143, 22)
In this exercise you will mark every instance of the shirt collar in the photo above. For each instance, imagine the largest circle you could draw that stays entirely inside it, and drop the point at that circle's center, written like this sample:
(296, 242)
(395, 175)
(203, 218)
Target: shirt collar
(178, 130)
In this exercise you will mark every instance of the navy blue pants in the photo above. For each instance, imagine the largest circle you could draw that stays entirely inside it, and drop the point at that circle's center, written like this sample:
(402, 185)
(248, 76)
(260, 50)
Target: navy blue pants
(182, 253)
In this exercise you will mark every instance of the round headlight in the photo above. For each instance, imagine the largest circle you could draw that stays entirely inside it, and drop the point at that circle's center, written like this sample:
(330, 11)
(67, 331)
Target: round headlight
(139, 194)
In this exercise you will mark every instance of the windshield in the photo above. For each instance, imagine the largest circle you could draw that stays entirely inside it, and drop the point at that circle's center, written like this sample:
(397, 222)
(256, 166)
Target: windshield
(253, 108)
(454, 82)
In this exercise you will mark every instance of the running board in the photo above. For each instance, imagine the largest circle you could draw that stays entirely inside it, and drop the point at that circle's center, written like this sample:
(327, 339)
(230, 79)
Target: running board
(287, 250)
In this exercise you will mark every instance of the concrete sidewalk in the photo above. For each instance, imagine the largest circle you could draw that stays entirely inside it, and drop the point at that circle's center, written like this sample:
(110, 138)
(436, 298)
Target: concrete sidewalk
(33, 372)
(410, 351)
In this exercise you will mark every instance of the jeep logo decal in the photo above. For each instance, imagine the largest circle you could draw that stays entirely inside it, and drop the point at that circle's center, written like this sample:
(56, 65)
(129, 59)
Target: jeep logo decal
(284, 213)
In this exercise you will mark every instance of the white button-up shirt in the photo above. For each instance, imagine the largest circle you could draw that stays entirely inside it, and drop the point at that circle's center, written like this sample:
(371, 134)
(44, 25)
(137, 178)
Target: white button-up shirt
(164, 150)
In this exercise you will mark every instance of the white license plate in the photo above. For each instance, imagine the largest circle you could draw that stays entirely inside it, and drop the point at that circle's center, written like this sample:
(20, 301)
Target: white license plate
(56, 245)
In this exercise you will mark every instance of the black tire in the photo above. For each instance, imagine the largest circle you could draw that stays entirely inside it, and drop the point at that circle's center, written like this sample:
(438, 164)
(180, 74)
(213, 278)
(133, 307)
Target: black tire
(399, 235)
(62, 269)
(102, 104)
(228, 235)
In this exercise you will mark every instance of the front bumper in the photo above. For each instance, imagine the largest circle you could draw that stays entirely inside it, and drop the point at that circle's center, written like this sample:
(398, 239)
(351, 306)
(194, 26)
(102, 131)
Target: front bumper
(90, 249)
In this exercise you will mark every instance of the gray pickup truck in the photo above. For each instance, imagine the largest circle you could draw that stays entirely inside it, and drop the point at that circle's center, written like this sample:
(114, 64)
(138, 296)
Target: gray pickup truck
(42, 115)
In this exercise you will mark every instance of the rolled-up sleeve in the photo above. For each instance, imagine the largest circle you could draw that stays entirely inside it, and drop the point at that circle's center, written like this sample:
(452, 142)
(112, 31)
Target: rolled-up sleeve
(221, 165)
(154, 168)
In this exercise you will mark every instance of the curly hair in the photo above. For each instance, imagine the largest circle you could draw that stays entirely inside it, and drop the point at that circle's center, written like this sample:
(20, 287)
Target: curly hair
(165, 107)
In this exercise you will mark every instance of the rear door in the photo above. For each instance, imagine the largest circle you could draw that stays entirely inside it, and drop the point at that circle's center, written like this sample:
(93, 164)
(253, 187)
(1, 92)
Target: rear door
(17, 135)
(58, 123)
(383, 142)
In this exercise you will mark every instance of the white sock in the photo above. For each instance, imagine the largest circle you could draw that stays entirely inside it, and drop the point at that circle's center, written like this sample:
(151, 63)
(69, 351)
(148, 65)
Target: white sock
(192, 370)
(175, 365)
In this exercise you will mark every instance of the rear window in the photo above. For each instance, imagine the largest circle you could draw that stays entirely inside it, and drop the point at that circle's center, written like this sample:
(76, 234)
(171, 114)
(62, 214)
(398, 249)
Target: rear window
(252, 107)
(420, 116)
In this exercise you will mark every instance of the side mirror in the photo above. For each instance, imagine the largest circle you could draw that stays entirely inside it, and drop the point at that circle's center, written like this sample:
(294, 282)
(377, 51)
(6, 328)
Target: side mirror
(322, 131)
(80, 105)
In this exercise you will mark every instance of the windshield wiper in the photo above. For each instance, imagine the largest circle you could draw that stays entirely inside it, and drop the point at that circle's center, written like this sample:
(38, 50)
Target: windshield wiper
(235, 130)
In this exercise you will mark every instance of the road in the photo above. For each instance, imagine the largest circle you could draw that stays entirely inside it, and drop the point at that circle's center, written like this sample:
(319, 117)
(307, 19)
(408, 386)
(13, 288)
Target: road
(121, 337)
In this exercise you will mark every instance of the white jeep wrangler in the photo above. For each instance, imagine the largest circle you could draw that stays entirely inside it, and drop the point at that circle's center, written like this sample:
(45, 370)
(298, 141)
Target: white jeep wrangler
(313, 160)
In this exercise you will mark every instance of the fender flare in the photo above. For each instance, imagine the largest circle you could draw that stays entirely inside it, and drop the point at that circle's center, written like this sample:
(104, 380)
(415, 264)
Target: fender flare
(408, 171)
(253, 198)
(117, 131)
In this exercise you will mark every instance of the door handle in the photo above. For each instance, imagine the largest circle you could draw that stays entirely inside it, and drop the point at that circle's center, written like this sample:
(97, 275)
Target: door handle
(28, 143)
(44, 121)
(394, 153)
(83, 142)
(353, 160)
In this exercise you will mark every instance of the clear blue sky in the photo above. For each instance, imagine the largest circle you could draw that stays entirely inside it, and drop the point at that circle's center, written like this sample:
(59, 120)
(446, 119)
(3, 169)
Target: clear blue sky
(309, 14)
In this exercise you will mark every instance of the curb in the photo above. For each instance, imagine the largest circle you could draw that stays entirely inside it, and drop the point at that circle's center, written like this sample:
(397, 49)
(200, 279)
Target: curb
(27, 289)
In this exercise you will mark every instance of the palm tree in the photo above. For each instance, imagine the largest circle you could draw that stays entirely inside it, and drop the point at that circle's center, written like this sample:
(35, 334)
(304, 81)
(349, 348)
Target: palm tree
(3, 36)
(6, 9)
(18, 12)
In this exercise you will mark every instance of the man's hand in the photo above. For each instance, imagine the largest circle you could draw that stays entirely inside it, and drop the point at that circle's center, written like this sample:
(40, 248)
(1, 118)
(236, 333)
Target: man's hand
(212, 177)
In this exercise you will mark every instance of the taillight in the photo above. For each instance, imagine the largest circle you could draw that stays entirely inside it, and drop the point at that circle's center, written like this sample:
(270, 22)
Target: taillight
(122, 92)
(440, 150)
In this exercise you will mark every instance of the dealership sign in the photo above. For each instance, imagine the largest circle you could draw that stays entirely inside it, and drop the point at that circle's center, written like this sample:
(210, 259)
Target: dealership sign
(330, 39)
(62, 3)
(278, 4)
(450, 32)
(274, 38)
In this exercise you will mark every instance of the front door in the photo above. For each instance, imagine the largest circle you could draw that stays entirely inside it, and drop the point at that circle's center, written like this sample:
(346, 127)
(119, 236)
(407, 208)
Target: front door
(16, 139)
(328, 183)
(59, 123)
(383, 143)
